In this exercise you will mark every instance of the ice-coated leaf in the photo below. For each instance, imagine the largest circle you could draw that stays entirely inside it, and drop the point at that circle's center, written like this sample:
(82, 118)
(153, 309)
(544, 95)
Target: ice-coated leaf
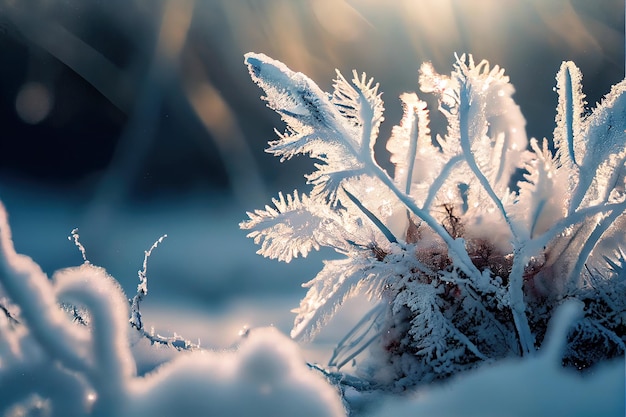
(496, 127)
(543, 195)
(294, 226)
(593, 145)
(361, 103)
(596, 175)
(604, 132)
(570, 110)
(412, 152)
(340, 131)
(437, 339)
(334, 284)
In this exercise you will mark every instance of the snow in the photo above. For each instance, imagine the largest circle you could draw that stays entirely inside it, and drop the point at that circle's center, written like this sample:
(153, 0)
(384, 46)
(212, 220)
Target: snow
(266, 376)
(520, 388)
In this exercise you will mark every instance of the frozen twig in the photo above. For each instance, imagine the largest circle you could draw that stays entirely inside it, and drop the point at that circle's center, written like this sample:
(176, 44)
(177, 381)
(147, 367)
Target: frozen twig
(142, 287)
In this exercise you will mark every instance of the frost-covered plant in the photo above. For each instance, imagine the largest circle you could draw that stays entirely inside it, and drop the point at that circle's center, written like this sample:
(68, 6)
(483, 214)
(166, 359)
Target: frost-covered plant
(467, 257)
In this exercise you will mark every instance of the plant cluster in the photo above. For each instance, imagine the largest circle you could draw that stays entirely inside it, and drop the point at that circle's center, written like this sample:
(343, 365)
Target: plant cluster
(476, 238)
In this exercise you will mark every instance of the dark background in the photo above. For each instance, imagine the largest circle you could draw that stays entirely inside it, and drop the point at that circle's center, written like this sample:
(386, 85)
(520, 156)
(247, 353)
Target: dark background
(130, 119)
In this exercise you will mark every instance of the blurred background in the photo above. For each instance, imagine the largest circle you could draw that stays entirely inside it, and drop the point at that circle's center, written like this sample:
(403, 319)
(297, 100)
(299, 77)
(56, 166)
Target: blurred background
(131, 119)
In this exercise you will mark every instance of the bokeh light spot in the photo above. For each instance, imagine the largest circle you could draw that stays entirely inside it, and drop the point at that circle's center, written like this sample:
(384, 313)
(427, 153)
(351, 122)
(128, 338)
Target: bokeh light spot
(33, 102)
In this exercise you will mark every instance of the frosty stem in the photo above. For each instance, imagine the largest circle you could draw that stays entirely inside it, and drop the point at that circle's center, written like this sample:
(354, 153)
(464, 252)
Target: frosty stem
(517, 303)
(590, 243)
(454, 245)
(536, 244)
(379, 224)
(464, 107)
(516, 282)
(440, 180)
(142, 287)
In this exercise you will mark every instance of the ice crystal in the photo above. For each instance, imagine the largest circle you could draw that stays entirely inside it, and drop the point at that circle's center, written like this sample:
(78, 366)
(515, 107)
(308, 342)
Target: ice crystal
(466, 269)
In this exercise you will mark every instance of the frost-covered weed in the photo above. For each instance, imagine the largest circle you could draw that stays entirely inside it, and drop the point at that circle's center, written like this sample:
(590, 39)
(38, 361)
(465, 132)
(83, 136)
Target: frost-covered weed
(467, 268)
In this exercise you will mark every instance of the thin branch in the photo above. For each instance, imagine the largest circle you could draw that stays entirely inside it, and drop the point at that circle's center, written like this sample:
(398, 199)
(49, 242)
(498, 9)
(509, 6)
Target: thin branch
(441, 178)
(142, 288)
(454, 245)
(176, 341)
(379, 224)
(76, 238)
(464, 106)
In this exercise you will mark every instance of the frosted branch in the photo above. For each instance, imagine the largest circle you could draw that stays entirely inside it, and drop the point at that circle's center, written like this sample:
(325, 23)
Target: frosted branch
(142, 287)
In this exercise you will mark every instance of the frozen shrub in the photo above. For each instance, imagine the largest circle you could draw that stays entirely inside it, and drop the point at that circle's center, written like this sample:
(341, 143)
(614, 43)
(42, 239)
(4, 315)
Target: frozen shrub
(467, 269)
